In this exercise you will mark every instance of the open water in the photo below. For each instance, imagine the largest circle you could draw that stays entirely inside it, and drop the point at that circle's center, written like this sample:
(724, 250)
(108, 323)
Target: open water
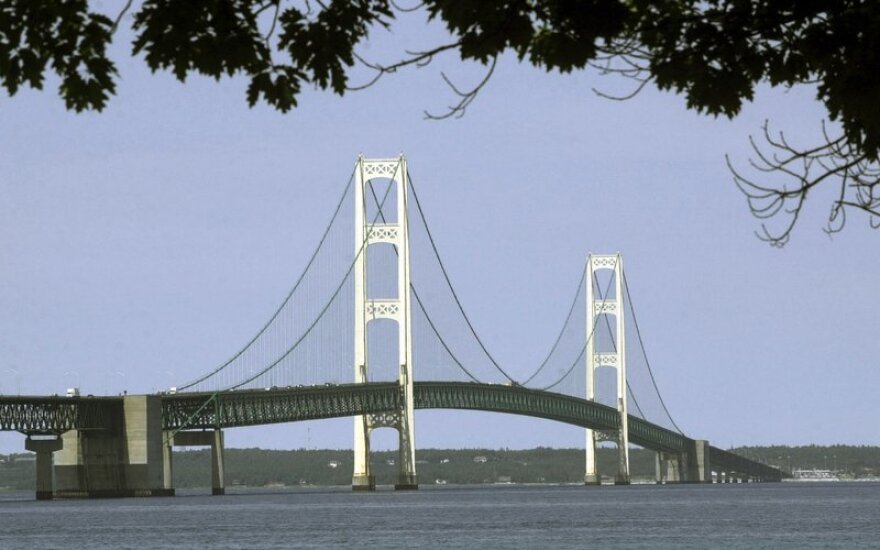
(773, 515)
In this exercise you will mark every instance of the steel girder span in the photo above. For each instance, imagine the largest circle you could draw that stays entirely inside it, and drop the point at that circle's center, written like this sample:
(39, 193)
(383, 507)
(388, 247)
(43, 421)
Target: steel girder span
(726, 461)
(275, 405)
(36, 415)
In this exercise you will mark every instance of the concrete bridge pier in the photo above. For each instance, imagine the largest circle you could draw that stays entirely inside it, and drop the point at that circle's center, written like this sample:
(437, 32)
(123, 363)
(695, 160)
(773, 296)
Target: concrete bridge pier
(213, 439)
(218, 475)
(167, 463)
(659, 474)
(45, 463)
(123, 459)
(668, 466)
(697, 467)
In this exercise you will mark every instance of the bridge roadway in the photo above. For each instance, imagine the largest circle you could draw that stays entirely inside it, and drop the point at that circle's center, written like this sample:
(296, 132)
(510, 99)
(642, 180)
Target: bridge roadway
(228, 409)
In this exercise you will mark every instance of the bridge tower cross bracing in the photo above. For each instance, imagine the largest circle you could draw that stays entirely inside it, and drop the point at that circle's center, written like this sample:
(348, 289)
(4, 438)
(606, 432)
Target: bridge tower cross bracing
(615, 359)
(366, 309)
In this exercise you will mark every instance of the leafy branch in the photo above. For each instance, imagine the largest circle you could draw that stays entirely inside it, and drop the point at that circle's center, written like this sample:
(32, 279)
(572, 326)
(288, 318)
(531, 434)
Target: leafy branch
(714, 54)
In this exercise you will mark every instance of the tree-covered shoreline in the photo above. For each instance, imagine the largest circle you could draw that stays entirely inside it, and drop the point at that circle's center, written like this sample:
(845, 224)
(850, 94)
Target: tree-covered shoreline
(328, 467)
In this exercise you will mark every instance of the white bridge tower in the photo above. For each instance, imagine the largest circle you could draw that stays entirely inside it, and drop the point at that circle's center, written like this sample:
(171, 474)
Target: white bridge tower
(366, 308)
(615, 359)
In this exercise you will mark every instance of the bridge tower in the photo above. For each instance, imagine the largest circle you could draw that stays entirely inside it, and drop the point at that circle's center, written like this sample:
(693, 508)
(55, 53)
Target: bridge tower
(616, 359)
(367, 308)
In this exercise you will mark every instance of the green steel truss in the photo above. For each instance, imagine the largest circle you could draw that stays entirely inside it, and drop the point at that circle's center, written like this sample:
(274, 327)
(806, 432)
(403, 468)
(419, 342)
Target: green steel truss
(55, 415)
(254, 407)
(229, 409)
(725, 461)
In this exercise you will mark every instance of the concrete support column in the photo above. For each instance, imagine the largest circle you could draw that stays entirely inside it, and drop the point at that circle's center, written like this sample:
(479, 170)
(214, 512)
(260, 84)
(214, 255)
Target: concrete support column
(406, 477)
(212, 439)
(622, 477)
(44, 449)
(673, 469)
(167, 465)
(699, 469)
(658, 468)
(218, 484)
(591, 475)
(362, 478)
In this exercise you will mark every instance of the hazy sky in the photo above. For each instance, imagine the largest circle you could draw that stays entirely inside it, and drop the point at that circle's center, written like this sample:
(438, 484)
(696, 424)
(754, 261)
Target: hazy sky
(141, 246)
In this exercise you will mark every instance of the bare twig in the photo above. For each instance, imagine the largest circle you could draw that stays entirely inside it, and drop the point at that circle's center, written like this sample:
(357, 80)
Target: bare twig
(119, 17)
(400, 8)
(273, 25)
(793, 172)
(623, 57)
(465, 97)
(267, 5)
(419, 59)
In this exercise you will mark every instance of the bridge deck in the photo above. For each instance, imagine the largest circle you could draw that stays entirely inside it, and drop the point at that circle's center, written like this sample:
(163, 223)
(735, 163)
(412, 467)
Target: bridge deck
(39, 415)
(55, 414)
(254, 407)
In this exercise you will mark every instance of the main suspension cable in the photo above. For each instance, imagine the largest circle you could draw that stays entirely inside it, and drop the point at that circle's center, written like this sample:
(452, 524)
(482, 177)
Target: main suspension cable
(614, 347)
(419, 300)
(336, 292)
(589, 336)
(286, 299)
(645, 354)
(449, 284)
(440, 338)
(570, 369)
(562, 331)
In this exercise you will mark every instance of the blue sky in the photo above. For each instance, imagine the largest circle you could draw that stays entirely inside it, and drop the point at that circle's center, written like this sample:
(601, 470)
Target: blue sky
(141, 246)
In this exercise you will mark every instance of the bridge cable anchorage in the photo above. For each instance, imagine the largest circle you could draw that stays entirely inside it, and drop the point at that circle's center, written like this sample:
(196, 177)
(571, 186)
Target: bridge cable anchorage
(589, 337)
(645, 354)
(326, 307)
(574, 302)
(449, 283)
(289, 294)
(412, 287)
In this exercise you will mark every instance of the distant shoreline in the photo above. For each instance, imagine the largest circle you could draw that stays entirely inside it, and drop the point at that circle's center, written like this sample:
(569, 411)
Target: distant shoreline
(260, 468)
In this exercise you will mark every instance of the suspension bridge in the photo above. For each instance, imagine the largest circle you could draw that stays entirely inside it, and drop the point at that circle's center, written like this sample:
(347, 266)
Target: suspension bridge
(374, 329)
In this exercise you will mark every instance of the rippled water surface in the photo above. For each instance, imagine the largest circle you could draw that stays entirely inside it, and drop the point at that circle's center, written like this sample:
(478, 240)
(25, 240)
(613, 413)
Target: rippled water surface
(773, 515)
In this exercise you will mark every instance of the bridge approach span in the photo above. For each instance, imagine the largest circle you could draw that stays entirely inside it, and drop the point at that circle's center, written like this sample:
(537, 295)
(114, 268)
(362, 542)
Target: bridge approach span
(39, 415)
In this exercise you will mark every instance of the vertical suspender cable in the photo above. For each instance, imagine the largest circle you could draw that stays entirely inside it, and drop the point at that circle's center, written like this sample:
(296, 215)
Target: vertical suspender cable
(449, 283)
(422, 306)
(286, 299)
(642, 345)
(562, 330)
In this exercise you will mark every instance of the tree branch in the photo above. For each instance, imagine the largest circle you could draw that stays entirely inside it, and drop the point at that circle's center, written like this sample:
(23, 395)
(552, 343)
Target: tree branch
(466, 97)
(419, 59)
(833, 159)
(119, 17)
